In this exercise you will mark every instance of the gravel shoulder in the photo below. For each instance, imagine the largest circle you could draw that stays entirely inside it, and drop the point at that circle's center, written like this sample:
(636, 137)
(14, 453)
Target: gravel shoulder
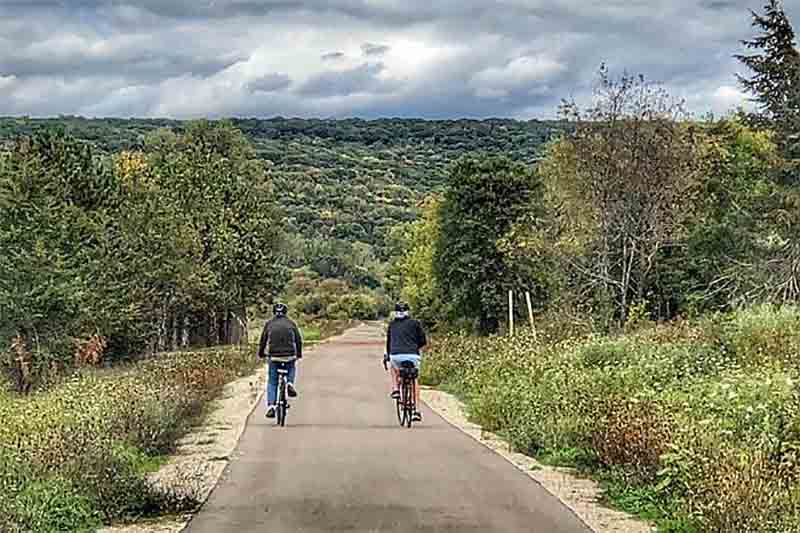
(581, 495)
(202, 455)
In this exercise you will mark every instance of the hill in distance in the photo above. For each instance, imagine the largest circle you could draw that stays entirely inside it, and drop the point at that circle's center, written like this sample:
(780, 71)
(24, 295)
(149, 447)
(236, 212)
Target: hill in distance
(347, 179)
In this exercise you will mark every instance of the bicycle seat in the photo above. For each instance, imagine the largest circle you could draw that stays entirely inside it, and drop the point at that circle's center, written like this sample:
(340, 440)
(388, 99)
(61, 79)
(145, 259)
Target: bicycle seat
(409, 373)
(407, 364)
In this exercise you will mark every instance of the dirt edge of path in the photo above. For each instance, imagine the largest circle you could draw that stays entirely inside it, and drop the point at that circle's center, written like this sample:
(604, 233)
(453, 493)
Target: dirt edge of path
(580, 495)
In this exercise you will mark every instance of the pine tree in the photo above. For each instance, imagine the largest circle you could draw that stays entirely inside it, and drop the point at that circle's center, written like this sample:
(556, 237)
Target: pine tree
(775, 82)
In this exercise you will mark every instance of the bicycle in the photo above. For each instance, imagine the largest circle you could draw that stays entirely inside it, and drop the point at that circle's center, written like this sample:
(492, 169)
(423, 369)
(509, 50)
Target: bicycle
(406, 403)
(282, 404)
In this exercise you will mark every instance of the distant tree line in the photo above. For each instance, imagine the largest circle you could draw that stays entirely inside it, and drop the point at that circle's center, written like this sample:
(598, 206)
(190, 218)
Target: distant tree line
(346, 180)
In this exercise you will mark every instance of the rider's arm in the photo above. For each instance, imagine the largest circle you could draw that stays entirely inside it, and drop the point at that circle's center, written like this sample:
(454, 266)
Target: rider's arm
(299, 341)
(422, 341)
(262, 345)
(389, 340)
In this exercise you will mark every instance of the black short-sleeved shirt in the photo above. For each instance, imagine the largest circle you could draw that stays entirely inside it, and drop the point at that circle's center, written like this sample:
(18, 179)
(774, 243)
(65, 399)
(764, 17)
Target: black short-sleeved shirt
(405, 336)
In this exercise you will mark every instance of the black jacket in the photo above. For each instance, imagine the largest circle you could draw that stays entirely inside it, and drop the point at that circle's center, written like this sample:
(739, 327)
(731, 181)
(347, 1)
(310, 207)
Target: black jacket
(280, 338)
(405, 336)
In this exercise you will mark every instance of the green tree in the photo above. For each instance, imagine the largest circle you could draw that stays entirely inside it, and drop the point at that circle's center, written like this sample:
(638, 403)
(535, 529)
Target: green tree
(482, 201)
(212, 174)
(412, 271)
(729, 219)
(59, 200)
(135, 251)
(623, 184)
(775, 79)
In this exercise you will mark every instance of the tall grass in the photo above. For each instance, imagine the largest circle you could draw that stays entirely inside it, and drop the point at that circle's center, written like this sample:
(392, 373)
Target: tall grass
(77, 455)
(696, 424)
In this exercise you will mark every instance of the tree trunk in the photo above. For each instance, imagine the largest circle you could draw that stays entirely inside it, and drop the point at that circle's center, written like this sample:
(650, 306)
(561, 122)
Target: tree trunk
(221, 321)
(488, 325)
(172, 332)
(185, 333)
(199, 329)
(238, 325)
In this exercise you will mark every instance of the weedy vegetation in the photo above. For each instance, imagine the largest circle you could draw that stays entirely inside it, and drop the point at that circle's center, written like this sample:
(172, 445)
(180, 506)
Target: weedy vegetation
(694, 424)
(77, 455)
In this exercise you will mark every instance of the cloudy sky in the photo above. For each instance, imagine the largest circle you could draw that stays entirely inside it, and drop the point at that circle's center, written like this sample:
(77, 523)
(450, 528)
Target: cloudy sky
(366, 58)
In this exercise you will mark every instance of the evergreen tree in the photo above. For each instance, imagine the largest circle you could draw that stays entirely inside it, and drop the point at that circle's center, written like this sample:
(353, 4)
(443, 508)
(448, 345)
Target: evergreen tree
(775, 82)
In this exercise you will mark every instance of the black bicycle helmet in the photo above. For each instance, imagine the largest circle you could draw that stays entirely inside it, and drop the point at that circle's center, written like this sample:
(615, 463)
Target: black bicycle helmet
(401, 307)
(280, 309)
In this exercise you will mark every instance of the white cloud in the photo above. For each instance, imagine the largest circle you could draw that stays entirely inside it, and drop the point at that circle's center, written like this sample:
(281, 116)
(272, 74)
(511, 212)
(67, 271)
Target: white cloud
(414, 56)
(728, 97)
(519, 73)
(492, 94)
(7, 82)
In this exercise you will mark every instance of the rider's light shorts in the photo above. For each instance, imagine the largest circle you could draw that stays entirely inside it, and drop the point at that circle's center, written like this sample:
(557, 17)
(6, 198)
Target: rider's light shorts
(400, 357)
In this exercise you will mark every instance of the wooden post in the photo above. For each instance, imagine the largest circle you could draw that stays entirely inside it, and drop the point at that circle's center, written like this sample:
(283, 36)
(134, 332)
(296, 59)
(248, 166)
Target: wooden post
(530, 312)
(511, 312)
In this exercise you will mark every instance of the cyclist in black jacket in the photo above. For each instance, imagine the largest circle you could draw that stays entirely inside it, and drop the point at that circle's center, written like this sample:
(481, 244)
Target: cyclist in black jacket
(404, 342)
(282, 345)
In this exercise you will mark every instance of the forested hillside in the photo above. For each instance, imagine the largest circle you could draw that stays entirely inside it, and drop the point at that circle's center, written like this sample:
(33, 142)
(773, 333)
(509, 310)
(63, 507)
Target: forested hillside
(344, 179)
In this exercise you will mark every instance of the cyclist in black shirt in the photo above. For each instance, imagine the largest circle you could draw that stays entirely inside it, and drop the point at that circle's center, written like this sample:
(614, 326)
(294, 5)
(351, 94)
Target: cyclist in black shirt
(282, 344)
(404, 342)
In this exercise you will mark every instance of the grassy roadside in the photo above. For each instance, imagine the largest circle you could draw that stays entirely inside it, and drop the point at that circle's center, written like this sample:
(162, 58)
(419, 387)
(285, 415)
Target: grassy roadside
(694, 425)
(77, 455)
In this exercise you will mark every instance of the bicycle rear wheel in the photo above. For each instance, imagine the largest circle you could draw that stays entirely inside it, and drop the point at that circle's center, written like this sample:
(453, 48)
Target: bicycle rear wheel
(281, 407)
(281, 415)
(408, 402)
(400, 412)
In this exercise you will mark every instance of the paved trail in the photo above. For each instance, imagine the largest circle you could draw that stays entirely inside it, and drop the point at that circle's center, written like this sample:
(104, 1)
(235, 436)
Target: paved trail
(343, 464)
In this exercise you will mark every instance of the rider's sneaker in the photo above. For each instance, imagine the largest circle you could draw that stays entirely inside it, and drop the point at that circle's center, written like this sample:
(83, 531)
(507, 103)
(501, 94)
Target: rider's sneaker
(291, 390)
(270, 411)
(417, 417)
(395, 395)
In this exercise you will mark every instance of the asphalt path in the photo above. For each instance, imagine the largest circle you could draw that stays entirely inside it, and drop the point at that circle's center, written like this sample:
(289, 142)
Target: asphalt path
(342, 463)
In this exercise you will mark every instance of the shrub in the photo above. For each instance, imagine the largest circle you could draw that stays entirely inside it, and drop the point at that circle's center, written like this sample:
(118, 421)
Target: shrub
(634, 435)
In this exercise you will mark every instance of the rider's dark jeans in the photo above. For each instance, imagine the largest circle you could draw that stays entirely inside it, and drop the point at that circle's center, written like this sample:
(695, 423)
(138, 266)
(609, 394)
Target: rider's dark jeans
(272, 383)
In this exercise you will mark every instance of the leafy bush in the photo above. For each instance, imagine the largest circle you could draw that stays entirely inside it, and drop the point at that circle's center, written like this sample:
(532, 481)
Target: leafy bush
(315, 299)
(699, 418)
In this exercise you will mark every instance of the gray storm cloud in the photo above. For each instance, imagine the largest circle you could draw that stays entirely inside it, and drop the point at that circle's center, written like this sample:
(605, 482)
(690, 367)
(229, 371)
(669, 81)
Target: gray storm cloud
(472, 58)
